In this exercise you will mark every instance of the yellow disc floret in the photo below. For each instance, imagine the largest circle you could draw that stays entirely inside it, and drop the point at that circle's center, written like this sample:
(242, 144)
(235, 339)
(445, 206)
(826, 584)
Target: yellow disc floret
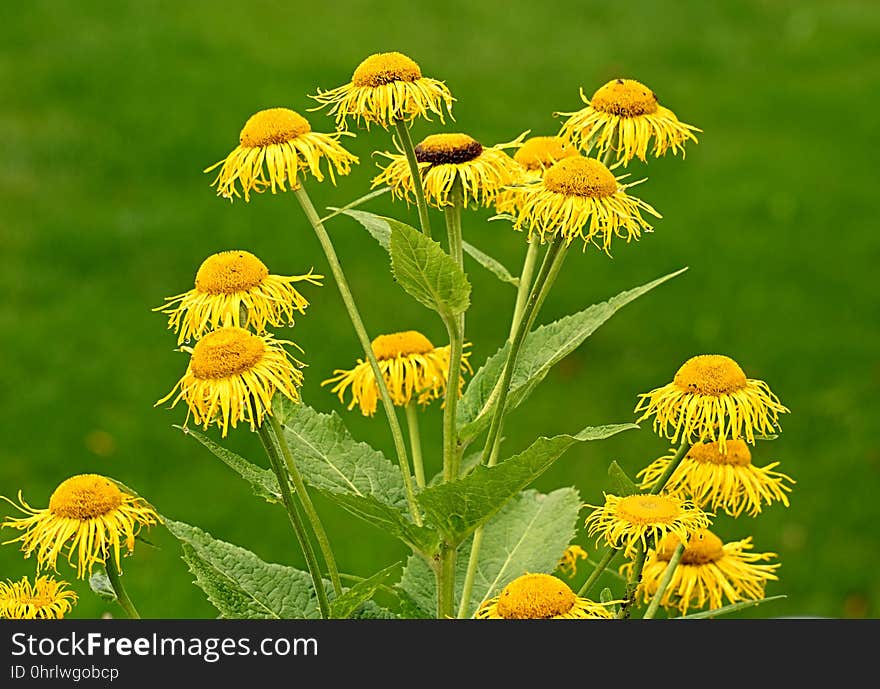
(226, 352)
(47, 599)
(625, 97)
(580, 176)
(710, 374)
(540, 597)
(401, 344)
(273, 126)
(230, 271)
(385, 68)
(702, 548)
(85, 497)
(540, 152)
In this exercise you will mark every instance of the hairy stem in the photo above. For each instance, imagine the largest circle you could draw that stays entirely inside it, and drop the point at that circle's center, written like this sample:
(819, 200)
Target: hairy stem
(600, 567)
(632, 585)
(415, 442)
(407, 144)
(115, 577)
(664, 582)
(361, 331)
(525, 283)
(671, 467)
(445, 573)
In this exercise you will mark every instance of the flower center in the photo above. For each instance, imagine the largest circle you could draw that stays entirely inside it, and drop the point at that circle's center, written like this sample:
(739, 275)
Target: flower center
(273, 126)
(710, 374)
(445, 149)
(401, 344)
(229, 272)
(648, 509)
(624, 97)
(385, 68)
(738, 453)
(535, 597)
(540, 152)
(84, 497)
(703, 547)
(579, 176)
(226, 352)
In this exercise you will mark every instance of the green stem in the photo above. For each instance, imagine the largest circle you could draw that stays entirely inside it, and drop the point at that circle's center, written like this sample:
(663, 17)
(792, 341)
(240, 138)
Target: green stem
(468, 584)
(360, 330)
(664, 582)
(632, 585)
(295, 518)
(115, 577)
(671, 467)
(445, 573)
(415, 442)
(302, 493)
(525, 282)
(600, 567)
(555, 267)
(407, 144)
(451, 456)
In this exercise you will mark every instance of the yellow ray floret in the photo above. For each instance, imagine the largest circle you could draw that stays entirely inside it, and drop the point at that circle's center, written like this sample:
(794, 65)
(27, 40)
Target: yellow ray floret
(580, 198)
(234, 288)
(233, 375)
(721, 480)
(568, 562)
(710, 398)
(536, 154)
(639, 520)
(624, 116)
(413, 370)
(541, 597)
(47, 599)
(443, 159)
(386, 88)
(275, 146)
(709, 572)
(89, 516)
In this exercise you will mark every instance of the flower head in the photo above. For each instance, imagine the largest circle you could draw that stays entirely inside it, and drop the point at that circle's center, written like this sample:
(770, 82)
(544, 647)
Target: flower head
(233, 375)
(726, 480)
(413, 369)
(710, 398)
(385, 88)
(536, 154)
(568, 562)
(580, 197)
(709, 571)
(625, 116)
(280, 143)
(626, 522)
(88, 515)
(234, 288)
(540, 597)
(443, 159)
(47, 599)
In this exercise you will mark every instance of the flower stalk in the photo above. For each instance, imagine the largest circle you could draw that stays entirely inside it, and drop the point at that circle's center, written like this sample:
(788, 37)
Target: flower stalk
(664, 582)
(415, 442)
(115, 577)
(407, 145)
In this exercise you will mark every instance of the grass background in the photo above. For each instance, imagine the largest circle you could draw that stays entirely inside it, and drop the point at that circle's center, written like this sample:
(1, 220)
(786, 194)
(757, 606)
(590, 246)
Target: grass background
(110, 111)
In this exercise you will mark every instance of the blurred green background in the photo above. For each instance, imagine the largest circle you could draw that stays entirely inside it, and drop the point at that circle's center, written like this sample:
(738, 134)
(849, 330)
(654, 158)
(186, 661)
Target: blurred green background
(110, 112)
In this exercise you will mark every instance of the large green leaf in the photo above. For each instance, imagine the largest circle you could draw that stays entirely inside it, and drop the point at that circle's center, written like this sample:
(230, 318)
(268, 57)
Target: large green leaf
(492, 265)
(458, 507)
(428, 273)
(353, 598)
(529, 534)
(377, 225)
(239, 584)
(263, 481)
(331, 460)
(540, 351)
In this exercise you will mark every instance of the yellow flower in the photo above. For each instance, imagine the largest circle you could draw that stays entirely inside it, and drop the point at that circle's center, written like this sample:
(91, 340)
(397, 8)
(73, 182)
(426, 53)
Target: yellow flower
(234, 288)
(710, 398)
(626, 522)
(726, 480)
(412, 367)
(233, 375)
(89, 515)
(443, 158)
(625, 116)
(534, 157)
(580, 197)
(709, 571)
(384, 88)
(278, 142)
(540, 597)
(47, 599)
(568, 561)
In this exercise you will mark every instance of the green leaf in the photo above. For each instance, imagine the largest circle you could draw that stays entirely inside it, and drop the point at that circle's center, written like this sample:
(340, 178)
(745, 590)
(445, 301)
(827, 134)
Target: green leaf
(541, 350)
(391, 520)
(239, 584)
(490, 264)
(468, 464)
(263, 481)
(345, 605)
(354, 204)
(331, 460)
(620, 482)
(458, 507)
(529, 534)
(427, 273)
(100, 584)
(378, 226)
(706, 614)
(370, 610)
